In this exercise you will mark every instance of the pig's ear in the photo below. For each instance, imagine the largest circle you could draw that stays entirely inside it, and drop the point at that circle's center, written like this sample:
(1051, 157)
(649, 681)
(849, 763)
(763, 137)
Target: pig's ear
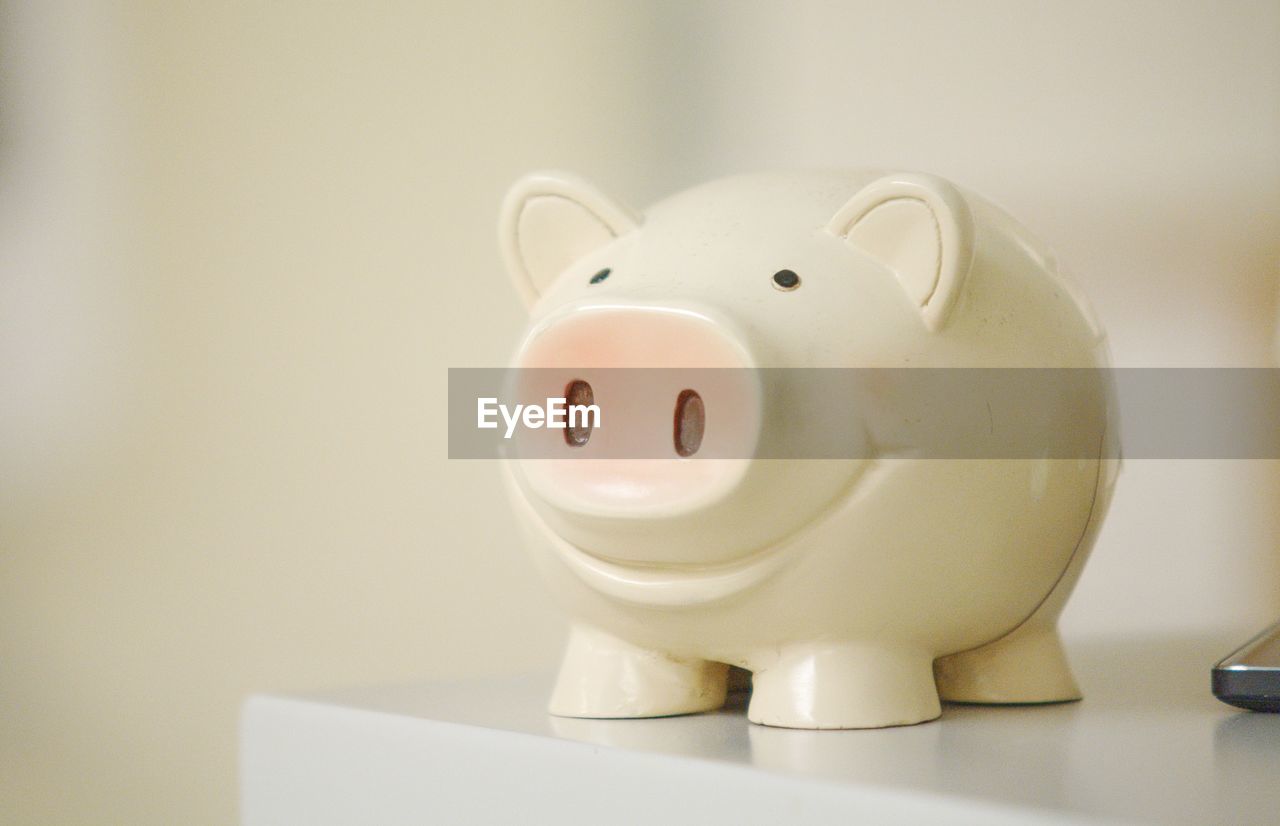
(551, 219)
(920, 228)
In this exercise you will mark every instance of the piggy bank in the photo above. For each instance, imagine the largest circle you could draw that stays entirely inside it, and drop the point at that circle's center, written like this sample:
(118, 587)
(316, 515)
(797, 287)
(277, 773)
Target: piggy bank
(857, 589)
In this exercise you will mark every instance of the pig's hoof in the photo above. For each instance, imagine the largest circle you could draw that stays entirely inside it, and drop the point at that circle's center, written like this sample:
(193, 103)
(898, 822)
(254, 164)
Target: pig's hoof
(603, 676)
(1025, 666)
(845, 686)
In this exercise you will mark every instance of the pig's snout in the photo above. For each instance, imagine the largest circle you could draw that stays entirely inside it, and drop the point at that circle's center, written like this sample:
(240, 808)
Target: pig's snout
(581, 418)
(662, 407)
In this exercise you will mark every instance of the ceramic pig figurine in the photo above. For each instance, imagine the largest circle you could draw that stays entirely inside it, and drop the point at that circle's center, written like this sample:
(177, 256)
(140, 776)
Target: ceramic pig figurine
(858, 590)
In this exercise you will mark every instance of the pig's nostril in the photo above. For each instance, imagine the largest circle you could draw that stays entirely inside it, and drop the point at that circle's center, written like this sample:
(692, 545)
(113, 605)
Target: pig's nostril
(577, 431)
(691, 420)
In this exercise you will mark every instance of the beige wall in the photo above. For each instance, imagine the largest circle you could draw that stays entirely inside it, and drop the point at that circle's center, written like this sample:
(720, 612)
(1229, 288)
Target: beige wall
(280, 233)
(242, 243)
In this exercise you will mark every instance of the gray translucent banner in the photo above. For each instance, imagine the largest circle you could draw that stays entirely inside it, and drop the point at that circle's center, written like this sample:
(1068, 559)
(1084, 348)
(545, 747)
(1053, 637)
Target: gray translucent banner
(822, 413)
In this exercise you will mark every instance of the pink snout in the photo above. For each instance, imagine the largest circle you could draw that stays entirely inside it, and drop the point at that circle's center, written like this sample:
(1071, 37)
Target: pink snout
(667, 410)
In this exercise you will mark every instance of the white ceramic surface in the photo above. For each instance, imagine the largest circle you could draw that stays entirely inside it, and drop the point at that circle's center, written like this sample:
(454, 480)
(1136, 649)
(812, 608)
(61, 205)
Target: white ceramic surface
(856, 591)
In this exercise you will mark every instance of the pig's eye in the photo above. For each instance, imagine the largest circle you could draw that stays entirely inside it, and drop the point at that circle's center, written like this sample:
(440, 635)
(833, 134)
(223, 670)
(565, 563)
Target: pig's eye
(786, 280)
(600, 276)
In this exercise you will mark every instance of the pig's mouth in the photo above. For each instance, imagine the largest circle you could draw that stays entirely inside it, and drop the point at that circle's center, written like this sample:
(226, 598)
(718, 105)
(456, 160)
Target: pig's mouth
(668, 585)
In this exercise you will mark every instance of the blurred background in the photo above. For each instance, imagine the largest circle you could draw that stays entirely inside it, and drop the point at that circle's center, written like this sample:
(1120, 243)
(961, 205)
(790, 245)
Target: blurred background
(240, 243)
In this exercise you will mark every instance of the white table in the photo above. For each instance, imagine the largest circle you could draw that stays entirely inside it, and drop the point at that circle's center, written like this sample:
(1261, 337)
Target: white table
(1148, 744)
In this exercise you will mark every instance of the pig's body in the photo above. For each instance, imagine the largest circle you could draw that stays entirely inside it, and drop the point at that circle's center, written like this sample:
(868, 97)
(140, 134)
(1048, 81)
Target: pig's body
(837, 582)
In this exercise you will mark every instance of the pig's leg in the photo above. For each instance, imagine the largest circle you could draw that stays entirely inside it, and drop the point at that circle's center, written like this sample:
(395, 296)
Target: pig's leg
(603, 676)
(1027, 665)
(844, 685)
